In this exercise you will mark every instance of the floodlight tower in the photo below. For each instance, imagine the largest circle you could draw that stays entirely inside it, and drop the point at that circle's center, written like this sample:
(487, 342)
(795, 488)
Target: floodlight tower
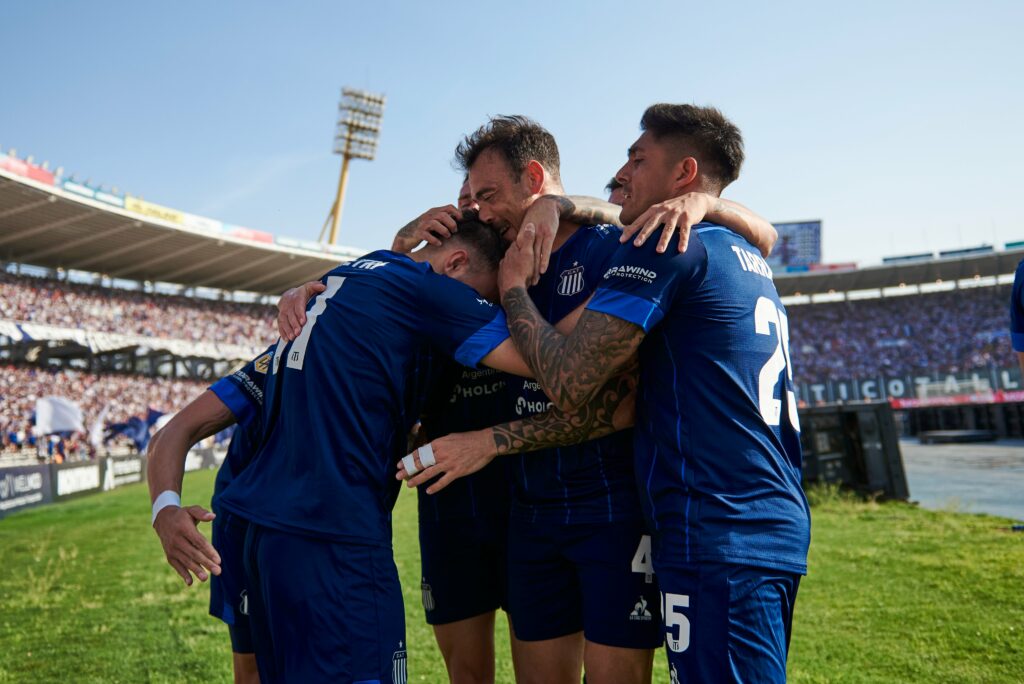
(359, 118)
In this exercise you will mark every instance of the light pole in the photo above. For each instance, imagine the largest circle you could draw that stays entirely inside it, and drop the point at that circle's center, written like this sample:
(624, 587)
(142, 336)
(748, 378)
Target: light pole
(359, 117)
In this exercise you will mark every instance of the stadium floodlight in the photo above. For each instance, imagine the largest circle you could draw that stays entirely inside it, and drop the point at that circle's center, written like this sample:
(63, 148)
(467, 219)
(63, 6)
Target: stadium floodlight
(359, 118)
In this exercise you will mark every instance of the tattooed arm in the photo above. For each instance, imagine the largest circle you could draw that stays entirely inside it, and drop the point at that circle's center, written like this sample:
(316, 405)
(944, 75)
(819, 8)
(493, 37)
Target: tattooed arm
(460, 454)
(571, 369)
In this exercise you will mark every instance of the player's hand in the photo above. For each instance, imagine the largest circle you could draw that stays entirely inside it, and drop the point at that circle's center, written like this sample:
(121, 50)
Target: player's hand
(455, 456)
(433, 225)
(677, 214)
(544, 215)
(518, 265)
(291, 308)
(187, 551)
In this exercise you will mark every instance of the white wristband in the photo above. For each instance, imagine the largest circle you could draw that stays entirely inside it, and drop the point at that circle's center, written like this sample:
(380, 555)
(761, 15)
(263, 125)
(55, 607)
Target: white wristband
(167, 498)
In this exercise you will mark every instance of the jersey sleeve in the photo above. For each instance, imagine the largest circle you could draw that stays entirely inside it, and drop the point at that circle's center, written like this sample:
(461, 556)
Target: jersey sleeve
(640, 284)
(1017, 310)
(458, 321)
(242, 391)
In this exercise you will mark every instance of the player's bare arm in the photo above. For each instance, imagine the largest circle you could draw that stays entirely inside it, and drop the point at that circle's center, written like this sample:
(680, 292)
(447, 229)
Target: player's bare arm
(432, 226)
(570, 369)
(683, 212)
(677, 216)
(187, 551)
(461, 454)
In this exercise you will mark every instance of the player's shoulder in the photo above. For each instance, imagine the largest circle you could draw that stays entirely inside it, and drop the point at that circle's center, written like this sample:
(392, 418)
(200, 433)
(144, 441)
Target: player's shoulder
(382, 261)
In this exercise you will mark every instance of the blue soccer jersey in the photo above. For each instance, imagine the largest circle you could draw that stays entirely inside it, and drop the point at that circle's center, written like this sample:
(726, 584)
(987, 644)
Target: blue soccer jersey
(464, 399)
(342, 396)
(718, 458)
(584, 483)
(1017, 310)
(242, 393)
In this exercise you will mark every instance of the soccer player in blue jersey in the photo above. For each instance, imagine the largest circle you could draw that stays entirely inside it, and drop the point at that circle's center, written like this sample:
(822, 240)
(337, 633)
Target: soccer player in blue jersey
(236, 398)
(717, 454)
(579, 593)
(1017, 315)
(340, 400)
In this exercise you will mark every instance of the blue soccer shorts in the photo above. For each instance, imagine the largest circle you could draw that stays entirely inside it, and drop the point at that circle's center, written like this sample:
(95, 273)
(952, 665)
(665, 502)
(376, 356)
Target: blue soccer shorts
(727, 623)
(228, 596)
(594, 578)
(324, 611)
(464, 565)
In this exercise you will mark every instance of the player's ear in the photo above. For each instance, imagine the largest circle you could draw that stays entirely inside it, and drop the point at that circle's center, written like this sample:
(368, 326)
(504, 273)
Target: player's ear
(684, 172)
(456, 262)
(535, 175)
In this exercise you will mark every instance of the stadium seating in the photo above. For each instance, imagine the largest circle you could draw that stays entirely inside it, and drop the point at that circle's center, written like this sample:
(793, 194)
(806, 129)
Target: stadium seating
(949, 332)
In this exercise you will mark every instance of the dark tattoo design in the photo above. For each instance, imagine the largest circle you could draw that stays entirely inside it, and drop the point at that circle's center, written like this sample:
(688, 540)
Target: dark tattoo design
(586, 210)
(598, 417)
(570, 369)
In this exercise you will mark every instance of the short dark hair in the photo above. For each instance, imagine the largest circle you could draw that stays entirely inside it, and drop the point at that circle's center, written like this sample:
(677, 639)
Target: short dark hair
(482, 239)
(712, 139)
(518, 138)
(613, 185)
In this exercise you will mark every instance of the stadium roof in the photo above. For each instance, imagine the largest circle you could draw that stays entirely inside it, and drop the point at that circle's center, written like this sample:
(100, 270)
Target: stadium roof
(947, 269)
(44, 225)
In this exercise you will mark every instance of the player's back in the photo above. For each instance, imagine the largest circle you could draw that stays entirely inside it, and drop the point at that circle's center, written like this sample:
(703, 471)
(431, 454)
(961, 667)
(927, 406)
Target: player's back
(342, 397)
(718, 448)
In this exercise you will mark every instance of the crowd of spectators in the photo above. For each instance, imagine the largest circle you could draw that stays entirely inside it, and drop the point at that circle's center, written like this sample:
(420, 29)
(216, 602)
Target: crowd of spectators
(957, 331)
(104, 309)
(947, 332)
(120, 396)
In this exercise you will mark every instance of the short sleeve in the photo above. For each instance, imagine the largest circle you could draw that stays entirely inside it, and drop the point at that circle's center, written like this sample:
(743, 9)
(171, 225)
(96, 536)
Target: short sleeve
(458, 321)
(640, 285)
(242, 391)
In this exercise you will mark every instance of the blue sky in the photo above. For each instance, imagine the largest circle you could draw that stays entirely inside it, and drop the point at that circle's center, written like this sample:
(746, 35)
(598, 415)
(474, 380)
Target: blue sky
(896, 123)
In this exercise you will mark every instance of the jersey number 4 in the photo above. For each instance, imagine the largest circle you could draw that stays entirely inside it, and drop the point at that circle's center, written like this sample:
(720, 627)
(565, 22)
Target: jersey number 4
(766, 316)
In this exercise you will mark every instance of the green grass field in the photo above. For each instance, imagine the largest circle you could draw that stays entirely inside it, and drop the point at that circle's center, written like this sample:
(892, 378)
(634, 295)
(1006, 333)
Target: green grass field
(895, 594)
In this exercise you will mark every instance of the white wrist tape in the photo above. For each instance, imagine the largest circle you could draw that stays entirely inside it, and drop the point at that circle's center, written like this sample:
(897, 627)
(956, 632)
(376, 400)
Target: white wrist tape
(167, 498)
(426, 454)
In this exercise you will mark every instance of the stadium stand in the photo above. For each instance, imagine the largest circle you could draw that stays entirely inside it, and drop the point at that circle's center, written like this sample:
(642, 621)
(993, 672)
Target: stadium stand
(958, 331)
(105, 309)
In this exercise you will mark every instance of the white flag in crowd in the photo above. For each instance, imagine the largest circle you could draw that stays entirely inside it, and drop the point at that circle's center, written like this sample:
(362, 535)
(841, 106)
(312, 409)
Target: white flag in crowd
(55, 414)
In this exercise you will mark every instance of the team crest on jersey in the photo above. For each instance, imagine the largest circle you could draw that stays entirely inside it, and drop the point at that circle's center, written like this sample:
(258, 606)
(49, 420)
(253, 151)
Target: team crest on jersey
(262, 364)
(399, 671)
(428, 597)
(571, 281)
(640, 612)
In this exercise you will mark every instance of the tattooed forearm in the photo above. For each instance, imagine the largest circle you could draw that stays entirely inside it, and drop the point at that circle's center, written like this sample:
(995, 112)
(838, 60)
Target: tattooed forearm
(610, 410)
(759, 231)
(405, 235)
(570, 369)
(586, 210)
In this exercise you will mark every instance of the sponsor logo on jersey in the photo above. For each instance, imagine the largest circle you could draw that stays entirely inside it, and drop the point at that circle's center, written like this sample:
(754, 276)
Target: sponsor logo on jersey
(635, 272)
(640, 612)
(262, 364)
(570, 281)
(399, 671)
(480, 300)
(428, 597)
(673, 675)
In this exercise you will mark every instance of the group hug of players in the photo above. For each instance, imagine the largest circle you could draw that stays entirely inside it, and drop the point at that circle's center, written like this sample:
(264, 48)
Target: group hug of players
(611, 455)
